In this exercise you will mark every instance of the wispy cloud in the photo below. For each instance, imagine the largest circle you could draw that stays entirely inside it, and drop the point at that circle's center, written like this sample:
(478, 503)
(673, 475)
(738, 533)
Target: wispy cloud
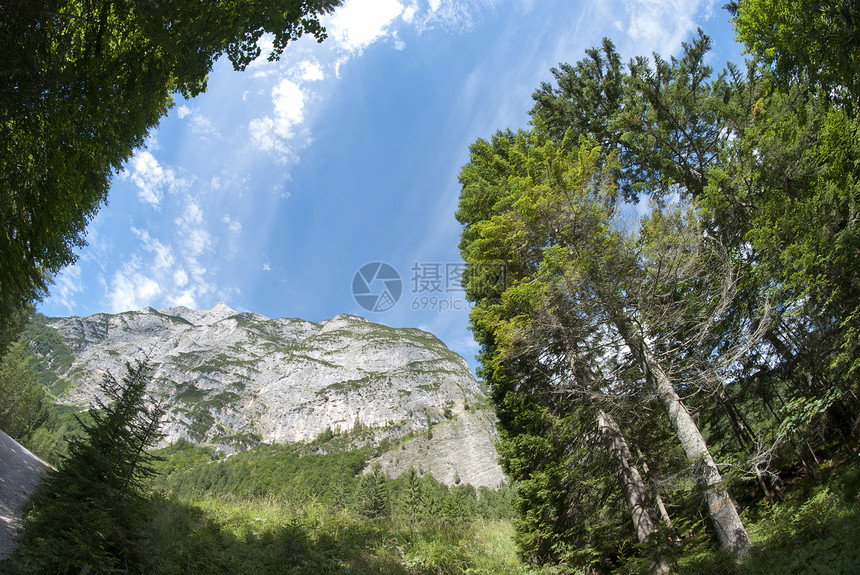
(162, 255)
(232, 225)
(131, 289)
(289, 97)
(192, 229)
(151, 178)
(203, 126)
(65, 287)
(168, 268)
(656, 25)
(352, 28)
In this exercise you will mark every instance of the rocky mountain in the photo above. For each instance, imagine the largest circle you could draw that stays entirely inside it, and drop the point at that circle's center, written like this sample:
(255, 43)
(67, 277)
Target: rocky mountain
(234, 380)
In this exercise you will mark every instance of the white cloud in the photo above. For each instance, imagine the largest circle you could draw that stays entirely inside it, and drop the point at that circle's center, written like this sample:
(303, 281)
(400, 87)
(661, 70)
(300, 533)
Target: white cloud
(180, 278)
(66, 285)
(192, 229)
(166, 270)
(447, 13)
(266, 43)
(311, 71)
(185, 299)
(359, 23)
(234, 226)
(261, 130)
(203, 126)
(196, 241)
(162, 255)
(131, 289)
(193, 214)
(270, 133)
(150, 177)
(289, 101)
(661, 25)
(198, 123)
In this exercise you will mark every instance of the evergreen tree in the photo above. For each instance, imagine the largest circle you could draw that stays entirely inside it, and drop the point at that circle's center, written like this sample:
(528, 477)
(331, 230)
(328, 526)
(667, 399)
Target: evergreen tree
(814, 39)
(372, 498)
(23, 406)
(84, 514)
(582, 291)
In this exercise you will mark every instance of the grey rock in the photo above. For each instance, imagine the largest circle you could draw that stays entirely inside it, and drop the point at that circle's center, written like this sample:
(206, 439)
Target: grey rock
(233, 380)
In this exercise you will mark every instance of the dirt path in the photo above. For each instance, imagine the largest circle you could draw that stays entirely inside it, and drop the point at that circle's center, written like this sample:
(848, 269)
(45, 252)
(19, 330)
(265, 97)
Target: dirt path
(20, 472)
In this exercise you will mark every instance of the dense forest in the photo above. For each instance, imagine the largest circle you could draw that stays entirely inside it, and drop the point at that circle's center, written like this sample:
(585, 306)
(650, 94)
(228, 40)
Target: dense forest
(673, 352)
(678, 325)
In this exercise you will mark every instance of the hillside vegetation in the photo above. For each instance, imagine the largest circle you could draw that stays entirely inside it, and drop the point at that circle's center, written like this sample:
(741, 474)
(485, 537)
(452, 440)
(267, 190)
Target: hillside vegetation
(316, 507)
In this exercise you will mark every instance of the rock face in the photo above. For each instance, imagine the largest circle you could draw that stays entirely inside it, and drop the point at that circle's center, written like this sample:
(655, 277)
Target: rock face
(234, 379)
(20, 473)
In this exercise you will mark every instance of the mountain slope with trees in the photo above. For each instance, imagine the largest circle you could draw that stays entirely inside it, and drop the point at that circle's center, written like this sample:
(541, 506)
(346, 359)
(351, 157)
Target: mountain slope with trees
(235, 380)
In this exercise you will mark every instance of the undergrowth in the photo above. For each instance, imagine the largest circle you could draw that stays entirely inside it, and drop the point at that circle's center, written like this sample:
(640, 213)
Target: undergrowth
(815, 530)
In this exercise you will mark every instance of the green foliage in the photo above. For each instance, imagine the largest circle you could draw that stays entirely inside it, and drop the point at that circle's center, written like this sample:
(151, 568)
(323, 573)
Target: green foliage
(214, 536)
(290, 509)
(11, 324)
(742, 276)
(50, 440)
(84, 515)
(815, 530)
(24, 408)
(371, 498)
(49, 358)
(815, 39)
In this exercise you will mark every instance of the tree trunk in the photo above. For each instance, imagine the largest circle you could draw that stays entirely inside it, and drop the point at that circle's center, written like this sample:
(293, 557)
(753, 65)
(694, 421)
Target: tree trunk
(730, 530)
(635, 492)
(658, 499)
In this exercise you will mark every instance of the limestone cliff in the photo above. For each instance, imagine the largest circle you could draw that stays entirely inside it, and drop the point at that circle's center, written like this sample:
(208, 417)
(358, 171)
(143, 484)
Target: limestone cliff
(234, 379)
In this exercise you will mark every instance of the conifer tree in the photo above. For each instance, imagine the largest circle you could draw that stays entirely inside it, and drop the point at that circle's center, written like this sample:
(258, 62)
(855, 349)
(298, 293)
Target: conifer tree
(582, 291)
(84, 514)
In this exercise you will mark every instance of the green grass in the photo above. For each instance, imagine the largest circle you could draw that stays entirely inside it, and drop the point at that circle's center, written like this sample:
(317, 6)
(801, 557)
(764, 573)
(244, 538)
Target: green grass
(291, 509)
(214, 535)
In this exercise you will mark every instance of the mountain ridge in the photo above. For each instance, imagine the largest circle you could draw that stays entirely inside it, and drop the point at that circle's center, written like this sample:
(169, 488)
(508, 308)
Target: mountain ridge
(237, 379)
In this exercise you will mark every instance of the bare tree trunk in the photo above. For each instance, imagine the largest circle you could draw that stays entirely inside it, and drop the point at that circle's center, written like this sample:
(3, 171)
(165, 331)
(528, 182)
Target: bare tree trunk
(635, 492)
(658, 499)
(730, 530)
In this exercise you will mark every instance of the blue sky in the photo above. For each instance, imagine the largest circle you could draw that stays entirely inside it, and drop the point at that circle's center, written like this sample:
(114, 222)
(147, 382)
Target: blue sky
(271, 190)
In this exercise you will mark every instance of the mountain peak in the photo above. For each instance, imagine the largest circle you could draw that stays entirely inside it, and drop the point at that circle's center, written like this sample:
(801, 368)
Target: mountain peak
(222, 307)
(201, 317)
